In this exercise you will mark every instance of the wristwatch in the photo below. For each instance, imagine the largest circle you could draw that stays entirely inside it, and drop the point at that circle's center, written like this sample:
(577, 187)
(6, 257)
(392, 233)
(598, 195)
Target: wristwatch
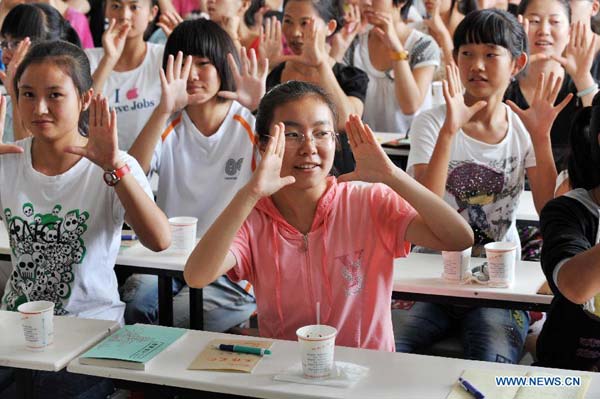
(112, 177)
(399, 55)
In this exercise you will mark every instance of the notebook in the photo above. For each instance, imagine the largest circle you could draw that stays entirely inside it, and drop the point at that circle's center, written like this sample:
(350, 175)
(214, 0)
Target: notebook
(132, 347)
(212, 358)
(532, 385)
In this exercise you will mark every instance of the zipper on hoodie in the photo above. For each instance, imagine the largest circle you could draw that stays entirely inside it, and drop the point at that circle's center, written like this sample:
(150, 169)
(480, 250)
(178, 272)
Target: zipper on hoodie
(308, 269)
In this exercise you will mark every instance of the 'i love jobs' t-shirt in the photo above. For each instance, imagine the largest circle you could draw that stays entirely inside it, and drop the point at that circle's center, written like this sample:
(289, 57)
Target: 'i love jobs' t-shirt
(133, 94)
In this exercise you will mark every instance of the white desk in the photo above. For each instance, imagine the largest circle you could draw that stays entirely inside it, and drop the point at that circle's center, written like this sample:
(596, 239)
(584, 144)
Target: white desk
(391, 375)
(526, 210)
(418, 277)
(138, 259)
(72, 336)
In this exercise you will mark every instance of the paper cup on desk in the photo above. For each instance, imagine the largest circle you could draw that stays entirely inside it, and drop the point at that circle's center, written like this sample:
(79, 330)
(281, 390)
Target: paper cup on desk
(501, 258)
(37, 319)
(318, 344)
(456, 264)
(183, 233)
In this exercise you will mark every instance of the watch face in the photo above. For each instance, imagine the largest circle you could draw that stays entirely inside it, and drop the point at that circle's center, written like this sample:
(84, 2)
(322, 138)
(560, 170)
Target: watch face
(110, 178)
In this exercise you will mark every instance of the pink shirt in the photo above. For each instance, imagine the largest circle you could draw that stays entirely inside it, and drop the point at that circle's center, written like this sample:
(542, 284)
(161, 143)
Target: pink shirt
(345, 262)
(80, 23)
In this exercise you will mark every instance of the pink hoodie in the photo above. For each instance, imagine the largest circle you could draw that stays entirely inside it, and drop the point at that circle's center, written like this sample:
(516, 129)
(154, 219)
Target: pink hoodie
(345, 262)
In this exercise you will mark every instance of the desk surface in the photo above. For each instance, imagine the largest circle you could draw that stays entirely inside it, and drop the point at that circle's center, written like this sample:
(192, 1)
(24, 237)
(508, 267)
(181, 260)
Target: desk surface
(391, 375)
(135, 255)
(421, 273)
(72, 336)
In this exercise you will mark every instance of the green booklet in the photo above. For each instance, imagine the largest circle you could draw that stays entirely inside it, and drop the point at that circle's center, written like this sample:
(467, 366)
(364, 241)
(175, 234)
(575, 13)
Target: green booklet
(132, 347)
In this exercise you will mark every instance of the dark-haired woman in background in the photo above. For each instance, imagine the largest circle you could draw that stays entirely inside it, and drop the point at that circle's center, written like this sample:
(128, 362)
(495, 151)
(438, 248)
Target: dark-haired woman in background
(570, 227)
(24, 24)
(306, 26)
(400, 62)
(565, 51)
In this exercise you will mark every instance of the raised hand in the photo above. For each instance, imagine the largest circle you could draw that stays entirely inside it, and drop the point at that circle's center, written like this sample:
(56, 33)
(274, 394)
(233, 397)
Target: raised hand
(270, 45)
(6, 148)
(259, 17)
(540, 115)
(267, 179)
(102, 144)
(579, 54)
(8, 77)
(168, 20)
(250, 82)
(353, 25)
(372, 164)
(113, 39)
(173, 83)
(314, 52)
(384, 28)
(457, 112)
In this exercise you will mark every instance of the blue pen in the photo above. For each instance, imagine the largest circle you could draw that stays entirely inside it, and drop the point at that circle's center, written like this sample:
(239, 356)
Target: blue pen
(128, 237)
(470, 388)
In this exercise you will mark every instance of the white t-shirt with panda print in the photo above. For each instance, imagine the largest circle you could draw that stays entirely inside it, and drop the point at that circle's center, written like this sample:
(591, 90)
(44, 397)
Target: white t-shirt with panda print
(65, 233)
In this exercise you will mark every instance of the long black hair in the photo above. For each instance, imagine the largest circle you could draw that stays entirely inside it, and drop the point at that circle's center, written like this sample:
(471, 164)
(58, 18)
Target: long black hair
(583, 162)
(492, 26)
(39, 22)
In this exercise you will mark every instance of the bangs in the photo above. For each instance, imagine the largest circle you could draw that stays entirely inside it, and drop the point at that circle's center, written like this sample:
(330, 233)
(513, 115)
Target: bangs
(25, 20)
(204, 38)
(491, 27)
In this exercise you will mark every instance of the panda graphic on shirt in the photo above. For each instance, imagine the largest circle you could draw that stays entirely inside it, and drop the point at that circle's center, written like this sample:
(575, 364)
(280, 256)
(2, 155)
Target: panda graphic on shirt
(47, 248)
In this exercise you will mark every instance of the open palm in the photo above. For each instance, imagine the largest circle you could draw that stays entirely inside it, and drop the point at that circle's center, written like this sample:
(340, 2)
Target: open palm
(250, 80)
(457, 112)
(267, 179)
(173, 82)
(372, 164)
(540, 115)
(102, 145)
(6, 148)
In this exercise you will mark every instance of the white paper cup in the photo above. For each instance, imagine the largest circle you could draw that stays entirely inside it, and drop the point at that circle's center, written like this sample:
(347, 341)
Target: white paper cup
(318, 344)
(183, 233)
(37, 319)
(501, 259)
(457, 264)
(437, 93)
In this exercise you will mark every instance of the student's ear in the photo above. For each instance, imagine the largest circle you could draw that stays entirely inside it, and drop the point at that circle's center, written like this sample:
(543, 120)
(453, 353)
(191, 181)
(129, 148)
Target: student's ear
(520, 64)
(331, 25)
(245, 6)
(595, 7)
(86, 99)
(153, 13)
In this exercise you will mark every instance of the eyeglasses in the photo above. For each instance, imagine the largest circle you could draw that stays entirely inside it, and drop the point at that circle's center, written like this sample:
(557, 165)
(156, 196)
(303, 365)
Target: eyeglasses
(319, 138)
(9, 44)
